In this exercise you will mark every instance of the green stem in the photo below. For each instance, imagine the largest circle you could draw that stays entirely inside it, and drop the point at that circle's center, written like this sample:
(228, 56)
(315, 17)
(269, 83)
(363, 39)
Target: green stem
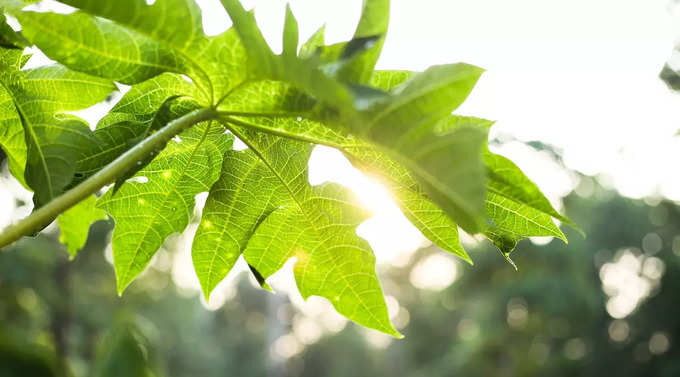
(47, 213)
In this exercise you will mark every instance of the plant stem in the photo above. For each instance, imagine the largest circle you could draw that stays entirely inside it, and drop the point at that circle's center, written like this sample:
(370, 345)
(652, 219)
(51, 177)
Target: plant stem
(46, 214)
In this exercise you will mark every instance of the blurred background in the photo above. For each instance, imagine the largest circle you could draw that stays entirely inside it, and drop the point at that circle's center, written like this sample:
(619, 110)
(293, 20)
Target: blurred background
(579, 106)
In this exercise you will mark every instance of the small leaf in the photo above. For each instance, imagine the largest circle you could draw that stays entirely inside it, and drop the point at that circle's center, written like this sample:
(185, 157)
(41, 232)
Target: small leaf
(512, 221)
(372, 28)
(75, 224)
(506, 179)
(290, 34)
(124, 351)
(264, 64)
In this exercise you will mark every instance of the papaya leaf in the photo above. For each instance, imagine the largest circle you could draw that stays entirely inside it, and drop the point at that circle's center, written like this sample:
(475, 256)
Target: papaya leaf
(132, 49)
(97, 47)
(506, 179)
(394, 121)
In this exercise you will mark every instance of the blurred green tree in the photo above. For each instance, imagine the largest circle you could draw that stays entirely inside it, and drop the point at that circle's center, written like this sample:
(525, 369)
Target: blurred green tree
(550, 318)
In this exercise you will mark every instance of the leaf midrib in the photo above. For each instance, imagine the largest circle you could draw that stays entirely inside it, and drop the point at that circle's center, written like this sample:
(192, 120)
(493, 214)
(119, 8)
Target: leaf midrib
(100, 53)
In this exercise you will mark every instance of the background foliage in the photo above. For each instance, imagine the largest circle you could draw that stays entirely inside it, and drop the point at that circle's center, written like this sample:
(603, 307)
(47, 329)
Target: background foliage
(550, 319)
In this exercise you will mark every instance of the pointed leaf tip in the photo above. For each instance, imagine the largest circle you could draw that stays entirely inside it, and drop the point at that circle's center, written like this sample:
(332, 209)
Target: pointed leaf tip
(290, 33)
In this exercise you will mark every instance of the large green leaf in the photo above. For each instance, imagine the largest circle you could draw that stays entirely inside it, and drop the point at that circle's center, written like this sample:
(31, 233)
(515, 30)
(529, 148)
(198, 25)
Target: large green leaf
(149, 209)
(514, 205)
(98, 47)
(413, 201)
(447, 163)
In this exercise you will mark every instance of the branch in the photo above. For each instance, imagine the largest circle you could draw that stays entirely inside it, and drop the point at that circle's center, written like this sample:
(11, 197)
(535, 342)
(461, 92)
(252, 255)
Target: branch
(46, 214)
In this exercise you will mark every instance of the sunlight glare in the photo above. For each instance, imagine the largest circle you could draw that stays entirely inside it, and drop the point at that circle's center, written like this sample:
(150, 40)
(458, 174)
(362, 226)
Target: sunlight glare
(391, 236)
(628, 280)
(435, 272)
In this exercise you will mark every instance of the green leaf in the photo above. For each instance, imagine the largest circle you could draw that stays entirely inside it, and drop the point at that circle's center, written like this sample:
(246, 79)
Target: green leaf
(124, 351)
(75, 224)
(305, 74)
(146, 213)
(98, 47)
(321, 222)
(35, 101)
(513, 221)
(506, 179)
(414, 203)
(371, 29)
(216, 64)
(387, 80)
(670, 77)
(447, 164)
(394, 125)
(10, 38)
(332, 262)
(448, 84)
(12, 138)
(248, 190)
